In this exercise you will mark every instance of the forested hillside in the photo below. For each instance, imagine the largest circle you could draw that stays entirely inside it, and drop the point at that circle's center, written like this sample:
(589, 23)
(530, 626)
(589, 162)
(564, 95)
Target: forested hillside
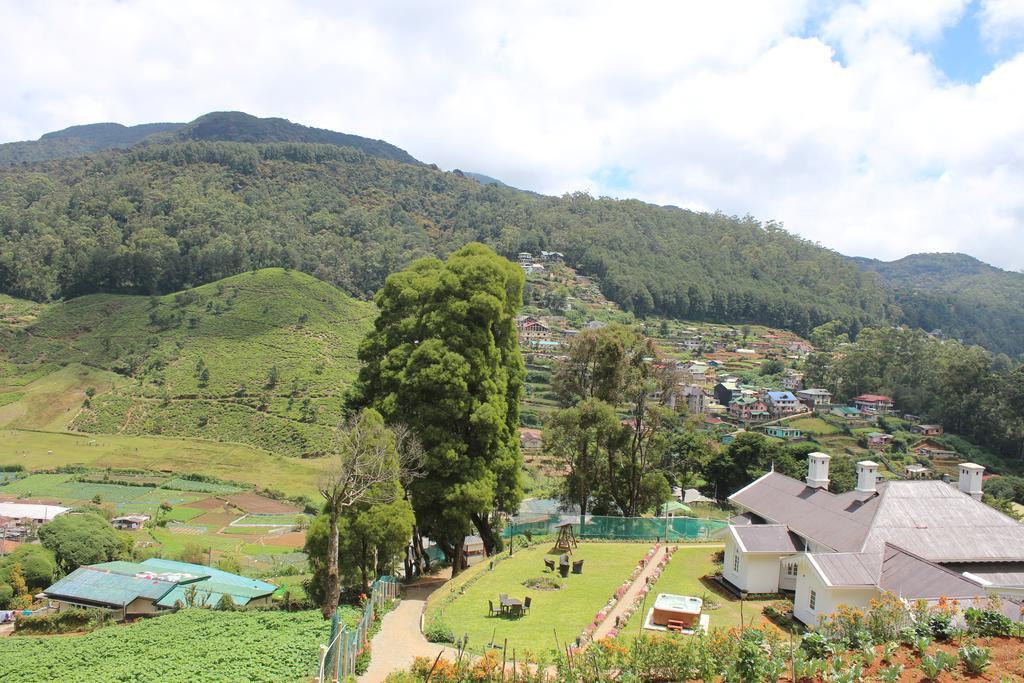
(262, 358)
(960, 295)
(79, 140)
(158, 218)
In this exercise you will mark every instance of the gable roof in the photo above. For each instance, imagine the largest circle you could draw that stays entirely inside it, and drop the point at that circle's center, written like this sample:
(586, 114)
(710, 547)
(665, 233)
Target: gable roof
(755, 538)
(894, 570)
(930, 519)
(781, 396)
(840, 522)
(98, 586)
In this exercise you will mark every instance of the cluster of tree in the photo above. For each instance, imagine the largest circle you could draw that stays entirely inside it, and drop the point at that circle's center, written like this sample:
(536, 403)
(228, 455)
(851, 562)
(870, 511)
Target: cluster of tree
(157, 218)
(443, 358)
(958, 295)
(613, 432)
(24, 571)
(970, 391)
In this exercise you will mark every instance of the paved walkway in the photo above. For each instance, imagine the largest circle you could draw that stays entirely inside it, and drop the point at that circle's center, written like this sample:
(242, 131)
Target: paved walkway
(399, 640)
(609, 623)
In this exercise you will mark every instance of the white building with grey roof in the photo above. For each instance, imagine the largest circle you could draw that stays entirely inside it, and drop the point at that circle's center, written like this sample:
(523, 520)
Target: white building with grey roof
(916, 539)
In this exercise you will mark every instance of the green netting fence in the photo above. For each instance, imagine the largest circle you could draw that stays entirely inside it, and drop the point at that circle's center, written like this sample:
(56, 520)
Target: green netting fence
(338, 657)
(620, 528)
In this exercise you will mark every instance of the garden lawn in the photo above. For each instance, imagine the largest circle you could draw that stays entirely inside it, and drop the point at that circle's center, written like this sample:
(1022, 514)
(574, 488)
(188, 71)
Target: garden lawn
(812, 425)
(565, 611)
(682, 577)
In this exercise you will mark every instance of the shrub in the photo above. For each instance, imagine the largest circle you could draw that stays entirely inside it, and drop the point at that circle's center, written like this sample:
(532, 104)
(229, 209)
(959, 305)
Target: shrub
(940, 625)
(66, 621)
(987, 623)
(438, 631)
(815, 645)
(975, 659)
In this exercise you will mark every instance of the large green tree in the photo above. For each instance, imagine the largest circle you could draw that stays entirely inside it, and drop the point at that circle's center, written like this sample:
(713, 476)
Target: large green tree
(82, 538)
(444, 358)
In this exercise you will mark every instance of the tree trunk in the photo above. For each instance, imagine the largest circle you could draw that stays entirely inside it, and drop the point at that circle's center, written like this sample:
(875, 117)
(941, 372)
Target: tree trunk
(483, 527)
(333, 579)
(363, 556)
(458, 555)
(419, 558)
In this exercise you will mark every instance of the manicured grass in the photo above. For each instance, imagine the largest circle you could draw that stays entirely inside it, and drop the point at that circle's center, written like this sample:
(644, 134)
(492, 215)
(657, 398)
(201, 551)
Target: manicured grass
(812, 425)
(565, 611)
(181, 514)
(234, 462)
(682, 577)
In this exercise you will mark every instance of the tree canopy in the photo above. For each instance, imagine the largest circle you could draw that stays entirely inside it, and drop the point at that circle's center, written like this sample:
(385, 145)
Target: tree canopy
(444, 359)
(82, 538)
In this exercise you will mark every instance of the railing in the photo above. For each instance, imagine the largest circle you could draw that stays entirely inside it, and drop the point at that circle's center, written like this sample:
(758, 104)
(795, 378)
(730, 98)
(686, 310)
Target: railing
(339, 655)
(674, 529)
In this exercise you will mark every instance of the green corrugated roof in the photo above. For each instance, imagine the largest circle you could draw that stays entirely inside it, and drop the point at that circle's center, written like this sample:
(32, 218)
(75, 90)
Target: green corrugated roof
(96, 585)
(209, 593)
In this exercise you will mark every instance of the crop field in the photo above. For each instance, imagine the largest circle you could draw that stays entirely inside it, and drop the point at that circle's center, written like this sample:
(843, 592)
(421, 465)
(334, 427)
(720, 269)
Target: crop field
(813, 426)
(190, 645)
(270, 520)
(179, 484)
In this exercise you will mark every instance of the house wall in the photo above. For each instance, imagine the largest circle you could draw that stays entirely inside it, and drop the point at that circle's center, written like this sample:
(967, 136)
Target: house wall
(758, 572)
(827, 598)
(787, 581)
(142, 606)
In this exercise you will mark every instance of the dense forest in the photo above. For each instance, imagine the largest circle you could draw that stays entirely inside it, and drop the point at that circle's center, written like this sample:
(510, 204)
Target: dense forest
(959, 295)
(158, 218)
(78, 140)
(967, 389)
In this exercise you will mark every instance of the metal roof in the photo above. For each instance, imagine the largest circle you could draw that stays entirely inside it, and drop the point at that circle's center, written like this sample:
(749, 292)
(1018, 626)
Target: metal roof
(98, 586)
(768, 538)
(848, 569)
(30, 511)
(910, 576)
(840, 522)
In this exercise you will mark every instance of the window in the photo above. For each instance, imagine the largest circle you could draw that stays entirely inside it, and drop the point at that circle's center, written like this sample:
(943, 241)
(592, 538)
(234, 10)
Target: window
(791, 568)
(736, 562)
(812, 599)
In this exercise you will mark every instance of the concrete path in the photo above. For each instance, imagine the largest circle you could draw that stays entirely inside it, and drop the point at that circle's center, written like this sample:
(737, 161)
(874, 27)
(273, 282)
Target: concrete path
(609, 623)
(400, 640)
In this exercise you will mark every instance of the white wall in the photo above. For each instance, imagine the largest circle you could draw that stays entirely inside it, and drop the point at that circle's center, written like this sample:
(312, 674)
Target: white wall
(826, 598)
(758, 572)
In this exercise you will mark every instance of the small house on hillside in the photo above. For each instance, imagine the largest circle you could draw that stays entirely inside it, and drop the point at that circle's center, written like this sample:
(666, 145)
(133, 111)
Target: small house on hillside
(915, 471)
(531, 439)
(927, 430)
(878, 439)
(129, 522)
(814, 398)
(793, 380)
(932, 449)
(783, 403)
(847, 412)
(874, 403)
(782, 432)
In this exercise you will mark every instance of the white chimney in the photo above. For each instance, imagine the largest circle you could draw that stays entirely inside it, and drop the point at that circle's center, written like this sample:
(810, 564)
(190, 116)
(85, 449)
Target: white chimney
(970, 479)
(817, 470)
(867, 475)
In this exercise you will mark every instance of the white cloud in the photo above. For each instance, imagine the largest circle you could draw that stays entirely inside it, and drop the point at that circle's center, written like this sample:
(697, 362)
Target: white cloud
(1002, 19)
(738, 106)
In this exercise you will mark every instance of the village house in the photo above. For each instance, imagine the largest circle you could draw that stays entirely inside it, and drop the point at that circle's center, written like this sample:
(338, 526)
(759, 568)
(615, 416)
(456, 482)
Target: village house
(696, 400)
(927, 430)
(725, 391)
(792, 381)
(749, 409)
(915, 471)
(782, 432)
(932, 449)
(690, 344)
(878, 439)
(873, 403)
(154, 586)
(129, 522)
(801, 348)
(696, 372)
(815, 398)
(922, 539)
(847, 412)
(782, 403)
(525, 258)
(530, 439)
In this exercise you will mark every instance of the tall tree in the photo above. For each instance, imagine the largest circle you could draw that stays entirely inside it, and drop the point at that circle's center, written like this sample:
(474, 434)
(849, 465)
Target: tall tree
(584, 438)
(444, 358)
(365, 468)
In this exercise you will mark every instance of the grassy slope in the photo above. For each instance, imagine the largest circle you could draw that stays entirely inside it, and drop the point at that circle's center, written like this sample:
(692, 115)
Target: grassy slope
(239, 327)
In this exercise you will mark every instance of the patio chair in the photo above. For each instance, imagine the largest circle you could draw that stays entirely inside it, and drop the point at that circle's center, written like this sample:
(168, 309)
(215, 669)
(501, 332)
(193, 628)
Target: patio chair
(491, 612)
(503, 600)
(550, 564)
(577, 567)
(526, 604)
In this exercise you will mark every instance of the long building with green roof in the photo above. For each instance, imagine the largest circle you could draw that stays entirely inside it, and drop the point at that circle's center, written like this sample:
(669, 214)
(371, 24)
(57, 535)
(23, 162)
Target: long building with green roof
(155, 585)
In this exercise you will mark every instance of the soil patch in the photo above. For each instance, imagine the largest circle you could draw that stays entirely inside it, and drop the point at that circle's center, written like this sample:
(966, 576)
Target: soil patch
(1007, 663)
(214, 519)
(251, 502)
(209, 504)
(291, 539)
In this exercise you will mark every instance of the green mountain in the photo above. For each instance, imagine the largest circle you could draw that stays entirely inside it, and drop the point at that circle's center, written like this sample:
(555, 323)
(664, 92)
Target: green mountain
(230, 126)
(262, 358)
(236, 126)
(78, 140)
(959, 295)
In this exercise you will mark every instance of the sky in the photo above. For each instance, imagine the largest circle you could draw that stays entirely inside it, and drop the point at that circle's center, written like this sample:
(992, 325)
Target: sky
(877, 128)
